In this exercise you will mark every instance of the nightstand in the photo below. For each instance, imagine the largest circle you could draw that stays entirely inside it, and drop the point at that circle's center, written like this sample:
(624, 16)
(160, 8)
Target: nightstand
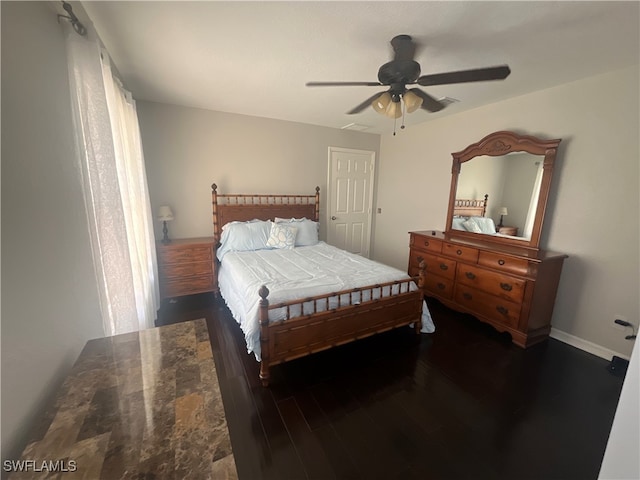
(513, 231)
(186, 266)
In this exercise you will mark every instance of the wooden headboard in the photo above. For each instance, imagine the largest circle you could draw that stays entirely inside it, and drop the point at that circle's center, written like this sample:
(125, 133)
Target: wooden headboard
(470, 208)
(243, 207)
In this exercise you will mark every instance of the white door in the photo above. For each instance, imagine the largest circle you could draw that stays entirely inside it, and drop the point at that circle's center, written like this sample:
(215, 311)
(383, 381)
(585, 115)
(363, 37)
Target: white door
(350, 199)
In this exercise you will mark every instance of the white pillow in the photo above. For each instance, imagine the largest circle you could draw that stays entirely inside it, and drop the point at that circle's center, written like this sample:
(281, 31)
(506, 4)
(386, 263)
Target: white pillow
(282, 235)
(472, 226)
(458, 223)
(307, 230)
(244, 236)
(486, 224)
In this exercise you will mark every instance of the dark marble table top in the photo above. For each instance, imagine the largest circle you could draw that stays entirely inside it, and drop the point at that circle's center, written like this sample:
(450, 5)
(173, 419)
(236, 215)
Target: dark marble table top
(143, 405)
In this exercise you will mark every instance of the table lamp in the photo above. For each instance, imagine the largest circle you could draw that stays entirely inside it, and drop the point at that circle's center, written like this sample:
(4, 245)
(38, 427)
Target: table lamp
(165, 215)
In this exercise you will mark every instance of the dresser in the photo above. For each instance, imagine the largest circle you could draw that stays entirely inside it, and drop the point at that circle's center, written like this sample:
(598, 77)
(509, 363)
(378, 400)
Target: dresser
(186, 266)
(509, 287)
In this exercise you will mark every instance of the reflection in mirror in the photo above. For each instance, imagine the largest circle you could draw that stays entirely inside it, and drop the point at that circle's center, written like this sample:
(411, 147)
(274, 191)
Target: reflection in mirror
(511, 184)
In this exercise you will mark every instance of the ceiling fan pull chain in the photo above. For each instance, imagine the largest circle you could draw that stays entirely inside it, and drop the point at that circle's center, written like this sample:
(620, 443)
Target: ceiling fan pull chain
(395, 121)
(404, 110)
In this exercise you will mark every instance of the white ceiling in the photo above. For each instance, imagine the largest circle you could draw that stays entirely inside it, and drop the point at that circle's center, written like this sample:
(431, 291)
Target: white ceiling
(254, 58)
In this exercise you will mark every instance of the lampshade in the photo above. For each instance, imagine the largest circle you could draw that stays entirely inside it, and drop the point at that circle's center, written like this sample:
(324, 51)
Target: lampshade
(165, 214)
(394, 110)
(412, 102)
(503, 211)
(381, 103)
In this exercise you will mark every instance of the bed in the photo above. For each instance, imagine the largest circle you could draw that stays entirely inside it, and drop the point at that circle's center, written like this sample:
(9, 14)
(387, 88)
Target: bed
(469, 215)
(283, 314)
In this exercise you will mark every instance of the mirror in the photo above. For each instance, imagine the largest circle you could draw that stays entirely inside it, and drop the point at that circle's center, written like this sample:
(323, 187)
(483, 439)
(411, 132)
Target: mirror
(499, 189)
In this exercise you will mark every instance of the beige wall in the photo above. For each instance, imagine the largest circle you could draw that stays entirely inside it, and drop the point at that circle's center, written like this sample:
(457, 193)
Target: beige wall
(593, 214)
(49, 294)
(187, 149)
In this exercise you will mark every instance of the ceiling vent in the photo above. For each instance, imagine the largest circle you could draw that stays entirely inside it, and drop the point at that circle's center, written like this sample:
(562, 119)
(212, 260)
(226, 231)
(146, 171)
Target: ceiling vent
(356, 126)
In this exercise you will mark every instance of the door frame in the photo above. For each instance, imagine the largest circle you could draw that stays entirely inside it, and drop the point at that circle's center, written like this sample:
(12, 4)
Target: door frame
(372, 173)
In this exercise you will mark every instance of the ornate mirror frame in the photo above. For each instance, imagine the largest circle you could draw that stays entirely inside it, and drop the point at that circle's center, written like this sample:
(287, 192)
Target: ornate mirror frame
(499, 144)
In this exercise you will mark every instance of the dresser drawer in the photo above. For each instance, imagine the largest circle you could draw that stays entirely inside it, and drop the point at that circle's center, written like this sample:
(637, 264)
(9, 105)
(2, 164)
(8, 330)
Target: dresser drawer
(185, 269)
(438, 286)
(504, 262)
(467, 254)
(187, 254)
(425, 243)
(444, 267)
(187, 286)
(503, 286)
(494, 308)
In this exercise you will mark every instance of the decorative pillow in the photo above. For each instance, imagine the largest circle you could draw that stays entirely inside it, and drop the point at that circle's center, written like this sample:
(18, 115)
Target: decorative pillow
(244, 236)
(282, 236)
(472, 226)
(486, 224)
(307, 230)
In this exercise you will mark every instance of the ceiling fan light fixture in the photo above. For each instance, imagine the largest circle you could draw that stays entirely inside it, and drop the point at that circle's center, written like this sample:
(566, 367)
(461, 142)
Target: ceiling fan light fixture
(412, 102)
(381, 103)
(394, 110)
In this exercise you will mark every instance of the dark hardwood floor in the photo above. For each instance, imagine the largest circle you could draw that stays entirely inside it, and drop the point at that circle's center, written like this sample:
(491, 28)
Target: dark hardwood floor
(460, 403)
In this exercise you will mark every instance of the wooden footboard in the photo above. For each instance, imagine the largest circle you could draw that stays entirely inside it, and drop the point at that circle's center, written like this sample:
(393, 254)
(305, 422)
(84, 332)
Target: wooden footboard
(285, 340)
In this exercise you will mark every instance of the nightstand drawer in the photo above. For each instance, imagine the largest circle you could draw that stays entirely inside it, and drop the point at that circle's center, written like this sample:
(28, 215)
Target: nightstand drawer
(187, 286)
(503, 286)
(185, 254)
(184, 269)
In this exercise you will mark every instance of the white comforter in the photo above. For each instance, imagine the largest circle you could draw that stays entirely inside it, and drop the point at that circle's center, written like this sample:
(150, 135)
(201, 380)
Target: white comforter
(293, 274)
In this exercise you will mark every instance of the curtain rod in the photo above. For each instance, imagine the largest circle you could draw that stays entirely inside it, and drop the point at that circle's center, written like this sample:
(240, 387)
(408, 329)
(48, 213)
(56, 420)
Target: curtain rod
(75, 23)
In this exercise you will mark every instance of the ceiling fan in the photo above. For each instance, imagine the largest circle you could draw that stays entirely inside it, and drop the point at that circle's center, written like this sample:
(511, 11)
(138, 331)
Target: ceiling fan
(403, 70)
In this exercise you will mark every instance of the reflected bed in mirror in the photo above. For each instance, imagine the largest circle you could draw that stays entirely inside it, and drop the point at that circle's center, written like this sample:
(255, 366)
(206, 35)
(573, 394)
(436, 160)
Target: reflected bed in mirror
(514, 171)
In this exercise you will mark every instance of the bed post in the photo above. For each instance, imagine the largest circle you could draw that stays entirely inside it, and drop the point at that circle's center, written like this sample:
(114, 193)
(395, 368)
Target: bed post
(264, 335)
(214, 202)
(317, 219)
(422, 266)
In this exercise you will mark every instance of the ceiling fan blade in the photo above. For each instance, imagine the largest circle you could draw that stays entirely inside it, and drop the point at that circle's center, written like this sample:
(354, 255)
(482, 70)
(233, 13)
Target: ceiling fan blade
(462, 76)
(365, 104)
(404, 47)
(428, 102)
(343, 84)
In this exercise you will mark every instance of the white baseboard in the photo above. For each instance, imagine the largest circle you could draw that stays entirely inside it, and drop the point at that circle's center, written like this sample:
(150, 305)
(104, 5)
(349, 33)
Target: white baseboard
(585, 345)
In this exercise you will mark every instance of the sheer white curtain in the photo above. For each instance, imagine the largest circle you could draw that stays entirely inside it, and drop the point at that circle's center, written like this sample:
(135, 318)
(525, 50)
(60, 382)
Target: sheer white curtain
(114, 181)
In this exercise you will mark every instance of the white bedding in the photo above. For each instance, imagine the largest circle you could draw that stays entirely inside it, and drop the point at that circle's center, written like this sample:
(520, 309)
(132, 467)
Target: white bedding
(297, 273)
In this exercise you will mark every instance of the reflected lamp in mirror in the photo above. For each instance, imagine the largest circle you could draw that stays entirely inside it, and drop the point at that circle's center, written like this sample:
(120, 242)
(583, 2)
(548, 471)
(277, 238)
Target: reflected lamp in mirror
(165, 215)
(503, 212)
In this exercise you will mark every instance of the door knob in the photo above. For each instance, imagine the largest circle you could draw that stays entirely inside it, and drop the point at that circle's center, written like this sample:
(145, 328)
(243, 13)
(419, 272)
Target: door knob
(333, 218)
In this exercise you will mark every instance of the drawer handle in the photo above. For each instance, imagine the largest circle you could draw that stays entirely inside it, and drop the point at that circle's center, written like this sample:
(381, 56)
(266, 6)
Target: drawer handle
(426, 243)
(506, 286)
(458, 252)
(444, 266)
(441, 286)
(502, 310)
(470, 275)
(467, 296)
(500, 262)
